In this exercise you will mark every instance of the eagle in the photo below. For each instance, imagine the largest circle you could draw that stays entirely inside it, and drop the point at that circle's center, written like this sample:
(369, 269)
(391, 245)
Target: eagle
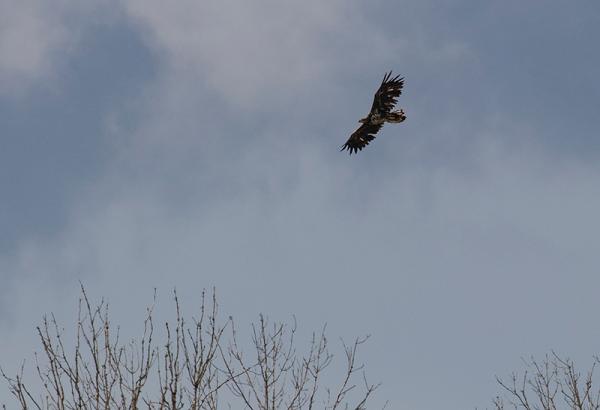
(381, 112)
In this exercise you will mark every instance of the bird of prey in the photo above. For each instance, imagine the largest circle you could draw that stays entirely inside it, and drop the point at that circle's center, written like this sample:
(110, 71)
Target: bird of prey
(381, 112)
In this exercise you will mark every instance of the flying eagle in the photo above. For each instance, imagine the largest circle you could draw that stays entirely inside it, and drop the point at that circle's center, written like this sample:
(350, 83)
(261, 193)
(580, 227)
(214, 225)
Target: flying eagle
(381, 112)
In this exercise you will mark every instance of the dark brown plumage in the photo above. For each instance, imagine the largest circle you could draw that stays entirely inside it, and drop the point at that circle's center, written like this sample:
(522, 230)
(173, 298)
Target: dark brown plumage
(381, 112)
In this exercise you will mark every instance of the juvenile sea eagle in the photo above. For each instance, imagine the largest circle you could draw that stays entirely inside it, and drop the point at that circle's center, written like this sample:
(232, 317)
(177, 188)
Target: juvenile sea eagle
(381, 112)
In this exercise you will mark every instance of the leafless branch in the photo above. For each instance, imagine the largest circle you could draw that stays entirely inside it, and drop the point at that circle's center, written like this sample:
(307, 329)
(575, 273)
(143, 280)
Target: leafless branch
(551, 384)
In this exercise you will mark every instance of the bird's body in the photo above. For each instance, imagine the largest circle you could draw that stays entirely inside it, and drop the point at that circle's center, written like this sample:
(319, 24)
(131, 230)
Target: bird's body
(381, 112)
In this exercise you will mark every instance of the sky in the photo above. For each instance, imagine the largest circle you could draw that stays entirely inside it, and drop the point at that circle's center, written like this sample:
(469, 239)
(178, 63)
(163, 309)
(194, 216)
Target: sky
(196, 145)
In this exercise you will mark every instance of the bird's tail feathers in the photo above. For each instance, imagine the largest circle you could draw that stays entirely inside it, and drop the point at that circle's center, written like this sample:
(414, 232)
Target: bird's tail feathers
(396, 116)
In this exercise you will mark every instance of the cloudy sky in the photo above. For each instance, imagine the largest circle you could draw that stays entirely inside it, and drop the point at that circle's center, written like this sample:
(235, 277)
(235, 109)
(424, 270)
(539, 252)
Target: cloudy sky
(195, 144)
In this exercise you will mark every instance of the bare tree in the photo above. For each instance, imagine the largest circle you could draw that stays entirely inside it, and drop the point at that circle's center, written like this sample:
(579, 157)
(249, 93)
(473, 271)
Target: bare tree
(102, 372)
(196, 366)
(278, 378)
(551, 384)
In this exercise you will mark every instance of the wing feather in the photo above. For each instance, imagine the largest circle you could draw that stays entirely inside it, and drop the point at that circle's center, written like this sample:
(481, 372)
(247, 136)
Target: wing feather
(361, 137)
(387, 95)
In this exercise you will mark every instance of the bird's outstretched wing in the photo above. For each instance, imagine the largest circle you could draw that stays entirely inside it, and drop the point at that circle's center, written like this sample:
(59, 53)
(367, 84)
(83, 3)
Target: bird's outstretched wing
(387, 95)
(361, 137)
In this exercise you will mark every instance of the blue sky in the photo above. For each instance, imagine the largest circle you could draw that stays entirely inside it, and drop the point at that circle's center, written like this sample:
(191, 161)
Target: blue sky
(196, 144)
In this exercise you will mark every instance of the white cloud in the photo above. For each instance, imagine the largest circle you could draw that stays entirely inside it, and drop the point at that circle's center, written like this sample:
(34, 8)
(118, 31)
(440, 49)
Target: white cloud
(35, 37)
(256, 52)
